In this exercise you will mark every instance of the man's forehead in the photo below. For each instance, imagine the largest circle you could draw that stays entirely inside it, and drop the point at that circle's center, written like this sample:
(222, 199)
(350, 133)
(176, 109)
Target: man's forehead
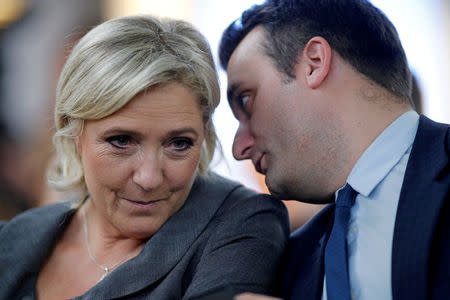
(251, 45)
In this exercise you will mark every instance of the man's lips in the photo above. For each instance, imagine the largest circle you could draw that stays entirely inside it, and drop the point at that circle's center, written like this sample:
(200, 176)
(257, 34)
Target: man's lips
(260, 168)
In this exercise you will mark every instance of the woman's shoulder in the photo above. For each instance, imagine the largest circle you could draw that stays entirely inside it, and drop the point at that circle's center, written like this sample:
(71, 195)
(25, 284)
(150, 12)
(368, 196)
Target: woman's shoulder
(32, 219)
(241, 204)
(245, 223)
(213, 182)
(27, 239)
(216, 185)
(239, 195)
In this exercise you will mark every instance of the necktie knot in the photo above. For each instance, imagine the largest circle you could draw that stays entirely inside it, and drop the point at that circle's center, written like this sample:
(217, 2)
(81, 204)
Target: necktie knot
(346, 196)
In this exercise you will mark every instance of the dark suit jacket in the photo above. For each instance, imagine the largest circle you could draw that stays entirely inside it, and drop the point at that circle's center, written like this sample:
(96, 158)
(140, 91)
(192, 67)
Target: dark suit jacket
(224, 236)
(421, 245)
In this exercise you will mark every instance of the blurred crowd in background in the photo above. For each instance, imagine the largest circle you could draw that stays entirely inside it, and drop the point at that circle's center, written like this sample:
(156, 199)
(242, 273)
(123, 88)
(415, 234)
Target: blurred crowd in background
(35, 38)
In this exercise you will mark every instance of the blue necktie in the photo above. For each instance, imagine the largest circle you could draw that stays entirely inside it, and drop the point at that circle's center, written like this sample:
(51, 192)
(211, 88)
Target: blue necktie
(336, 266)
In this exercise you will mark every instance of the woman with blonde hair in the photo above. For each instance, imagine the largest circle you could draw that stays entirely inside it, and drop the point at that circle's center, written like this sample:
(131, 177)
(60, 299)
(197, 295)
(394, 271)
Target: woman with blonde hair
(134, 135)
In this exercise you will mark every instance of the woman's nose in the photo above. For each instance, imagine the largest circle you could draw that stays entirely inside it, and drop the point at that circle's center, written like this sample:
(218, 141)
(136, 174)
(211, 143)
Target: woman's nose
(148, 174)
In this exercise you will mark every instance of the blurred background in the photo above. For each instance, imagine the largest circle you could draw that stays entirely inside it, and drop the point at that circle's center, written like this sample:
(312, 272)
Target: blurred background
(36, 36)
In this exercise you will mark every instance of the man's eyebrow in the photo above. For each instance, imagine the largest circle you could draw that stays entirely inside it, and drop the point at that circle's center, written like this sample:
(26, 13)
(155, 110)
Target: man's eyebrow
(231, 92)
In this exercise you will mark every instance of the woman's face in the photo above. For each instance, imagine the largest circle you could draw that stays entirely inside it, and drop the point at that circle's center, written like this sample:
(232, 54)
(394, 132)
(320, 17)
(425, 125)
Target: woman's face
(139, 163)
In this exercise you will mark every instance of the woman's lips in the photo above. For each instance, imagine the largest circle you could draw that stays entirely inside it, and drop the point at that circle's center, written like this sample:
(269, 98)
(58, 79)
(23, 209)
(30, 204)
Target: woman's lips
(142, 204)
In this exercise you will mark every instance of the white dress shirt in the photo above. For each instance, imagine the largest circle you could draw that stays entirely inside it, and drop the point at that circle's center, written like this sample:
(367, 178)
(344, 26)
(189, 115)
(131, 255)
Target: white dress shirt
(378, 178)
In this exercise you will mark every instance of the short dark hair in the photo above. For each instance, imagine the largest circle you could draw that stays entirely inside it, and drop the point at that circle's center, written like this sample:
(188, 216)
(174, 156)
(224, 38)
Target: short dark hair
(358, 31)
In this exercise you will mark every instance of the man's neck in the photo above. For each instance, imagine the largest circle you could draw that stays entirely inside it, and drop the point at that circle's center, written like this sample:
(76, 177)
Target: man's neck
(370, 115)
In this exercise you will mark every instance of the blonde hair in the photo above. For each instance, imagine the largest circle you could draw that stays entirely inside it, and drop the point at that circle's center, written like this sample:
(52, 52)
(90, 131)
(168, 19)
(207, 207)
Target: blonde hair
(114, 62)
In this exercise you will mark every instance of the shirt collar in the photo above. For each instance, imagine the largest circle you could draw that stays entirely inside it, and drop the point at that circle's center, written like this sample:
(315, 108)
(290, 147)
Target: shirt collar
(384, 153)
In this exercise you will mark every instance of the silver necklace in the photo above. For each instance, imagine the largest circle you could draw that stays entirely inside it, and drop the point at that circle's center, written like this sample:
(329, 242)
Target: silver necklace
(105, 269)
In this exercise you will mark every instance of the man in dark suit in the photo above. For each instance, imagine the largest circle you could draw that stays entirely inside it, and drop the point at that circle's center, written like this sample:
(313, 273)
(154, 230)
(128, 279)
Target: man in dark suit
(322, 92)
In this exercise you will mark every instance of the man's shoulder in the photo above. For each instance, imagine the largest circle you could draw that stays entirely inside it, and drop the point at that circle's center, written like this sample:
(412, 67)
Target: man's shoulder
(430, 153)
(422, 214)
(301, 268)
(313, 231)
(431, 134)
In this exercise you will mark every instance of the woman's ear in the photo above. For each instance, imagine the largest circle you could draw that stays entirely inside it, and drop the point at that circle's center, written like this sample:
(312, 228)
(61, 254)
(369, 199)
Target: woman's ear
(316, 59)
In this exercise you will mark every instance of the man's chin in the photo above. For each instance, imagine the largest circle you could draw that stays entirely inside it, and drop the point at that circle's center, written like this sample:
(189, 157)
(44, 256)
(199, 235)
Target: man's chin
(317, 199)
(284, 192)
(278, 191)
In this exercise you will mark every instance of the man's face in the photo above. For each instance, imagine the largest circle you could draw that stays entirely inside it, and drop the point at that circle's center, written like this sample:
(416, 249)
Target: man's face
(283, 128)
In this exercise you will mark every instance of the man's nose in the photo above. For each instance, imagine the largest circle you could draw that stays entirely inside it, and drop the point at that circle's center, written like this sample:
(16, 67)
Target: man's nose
(243, 142)
(148, 174)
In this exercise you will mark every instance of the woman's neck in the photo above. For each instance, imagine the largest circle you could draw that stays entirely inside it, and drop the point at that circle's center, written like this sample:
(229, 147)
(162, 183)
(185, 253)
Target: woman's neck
(106, 244)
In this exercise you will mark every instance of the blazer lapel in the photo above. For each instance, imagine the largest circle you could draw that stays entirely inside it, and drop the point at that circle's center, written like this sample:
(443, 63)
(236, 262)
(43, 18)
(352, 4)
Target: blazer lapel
(421, 198)
(167, 247)
(303, 270)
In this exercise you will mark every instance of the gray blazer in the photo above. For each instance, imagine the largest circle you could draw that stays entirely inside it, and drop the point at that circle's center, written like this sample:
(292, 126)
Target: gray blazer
(225, 236)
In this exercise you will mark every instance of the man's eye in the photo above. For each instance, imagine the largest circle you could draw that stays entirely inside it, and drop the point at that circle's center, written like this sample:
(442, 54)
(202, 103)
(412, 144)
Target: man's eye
(244, 105)
(180, 144)
(244, 100)
(119, 141)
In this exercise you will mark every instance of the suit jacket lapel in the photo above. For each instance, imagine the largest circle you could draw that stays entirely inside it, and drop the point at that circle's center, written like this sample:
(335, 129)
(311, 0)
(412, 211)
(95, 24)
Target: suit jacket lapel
(421, 198)
(167, 247)
(303, 269)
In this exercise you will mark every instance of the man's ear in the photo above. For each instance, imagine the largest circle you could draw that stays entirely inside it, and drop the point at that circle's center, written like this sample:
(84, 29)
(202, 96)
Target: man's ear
(316, 61)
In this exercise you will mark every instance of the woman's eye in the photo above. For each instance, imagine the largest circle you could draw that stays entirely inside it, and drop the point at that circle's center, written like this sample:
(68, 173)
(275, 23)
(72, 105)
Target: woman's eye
(119, 141)
(181, 144)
